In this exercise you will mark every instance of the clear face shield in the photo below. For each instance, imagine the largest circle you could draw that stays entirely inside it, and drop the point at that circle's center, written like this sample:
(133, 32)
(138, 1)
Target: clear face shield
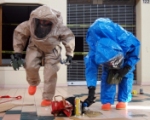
(115, 63)
(42, 28)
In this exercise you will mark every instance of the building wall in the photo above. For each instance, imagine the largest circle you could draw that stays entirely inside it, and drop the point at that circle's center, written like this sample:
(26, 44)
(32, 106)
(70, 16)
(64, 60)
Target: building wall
(143, 33)
(52, 3)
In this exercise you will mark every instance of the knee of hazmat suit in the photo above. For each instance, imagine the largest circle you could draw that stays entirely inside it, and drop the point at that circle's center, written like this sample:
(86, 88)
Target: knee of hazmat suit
(109, 42)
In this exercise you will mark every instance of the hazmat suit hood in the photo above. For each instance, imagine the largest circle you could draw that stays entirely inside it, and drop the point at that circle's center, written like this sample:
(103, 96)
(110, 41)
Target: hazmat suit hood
(109, 53)
(47, 14)
(44, 38)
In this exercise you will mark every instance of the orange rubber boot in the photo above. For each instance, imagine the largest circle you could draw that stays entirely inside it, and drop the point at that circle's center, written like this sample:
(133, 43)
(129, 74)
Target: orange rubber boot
(121, 106)
(45, 103)
(32, 90)
(106, 106)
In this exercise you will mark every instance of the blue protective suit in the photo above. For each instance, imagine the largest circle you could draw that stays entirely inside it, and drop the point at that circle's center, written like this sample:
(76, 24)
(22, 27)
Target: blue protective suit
(106, 40)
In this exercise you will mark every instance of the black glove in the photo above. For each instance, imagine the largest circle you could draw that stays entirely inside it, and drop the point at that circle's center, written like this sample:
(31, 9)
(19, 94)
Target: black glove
(16, 60)
(120, 74)
(115, 76)
(90, 100)
(123, 71)
(68, 60)
(18, 56)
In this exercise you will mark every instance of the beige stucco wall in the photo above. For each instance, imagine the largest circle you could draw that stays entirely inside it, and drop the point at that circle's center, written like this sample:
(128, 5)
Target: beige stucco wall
(11, 78)
(143, 34)
(60, 5)
(17, 79)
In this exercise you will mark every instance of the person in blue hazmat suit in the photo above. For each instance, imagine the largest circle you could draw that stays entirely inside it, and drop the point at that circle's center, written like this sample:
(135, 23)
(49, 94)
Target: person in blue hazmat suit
(117, 50)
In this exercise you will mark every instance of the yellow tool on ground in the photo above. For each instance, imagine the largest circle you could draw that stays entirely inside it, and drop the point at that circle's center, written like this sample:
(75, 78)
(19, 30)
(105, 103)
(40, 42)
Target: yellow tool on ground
(77, 106)
(134, 92)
